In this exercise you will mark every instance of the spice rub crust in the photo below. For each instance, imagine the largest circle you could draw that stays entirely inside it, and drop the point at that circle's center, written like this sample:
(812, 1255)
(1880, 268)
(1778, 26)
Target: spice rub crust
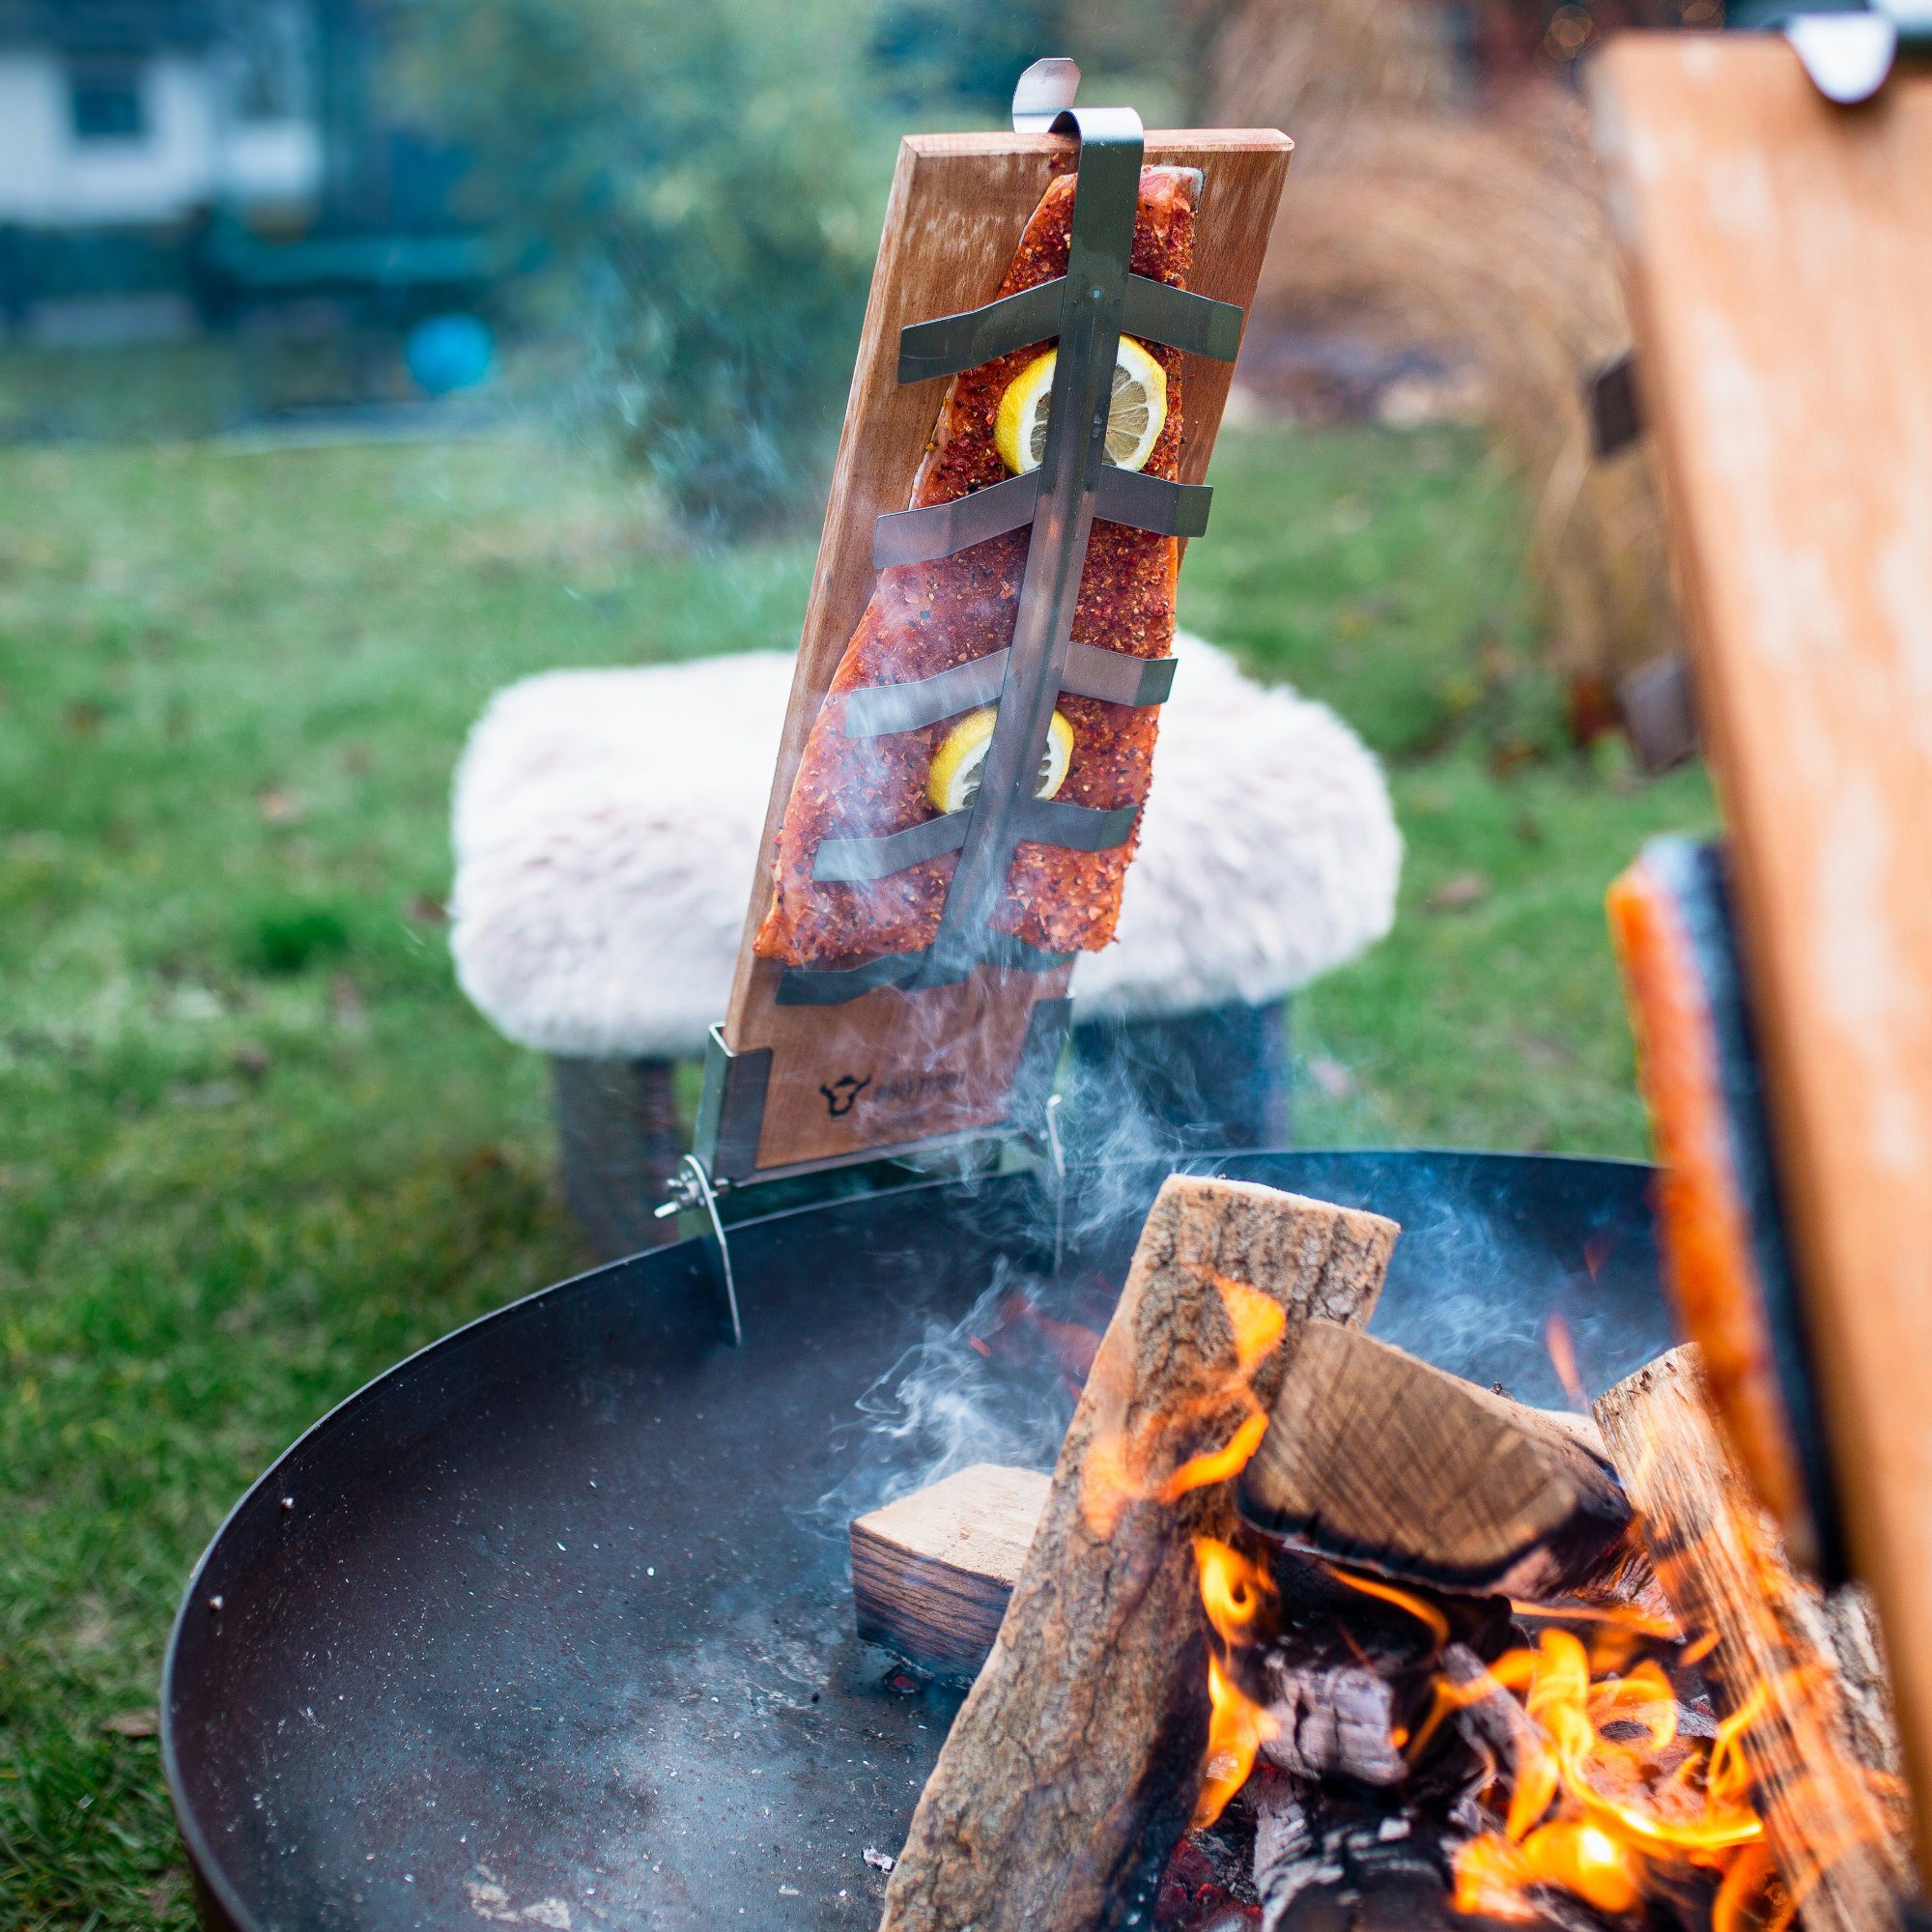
(926, 617)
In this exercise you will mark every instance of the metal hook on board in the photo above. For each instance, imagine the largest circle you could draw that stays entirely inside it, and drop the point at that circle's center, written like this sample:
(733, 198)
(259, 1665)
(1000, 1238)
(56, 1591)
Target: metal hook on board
(1056, 1180)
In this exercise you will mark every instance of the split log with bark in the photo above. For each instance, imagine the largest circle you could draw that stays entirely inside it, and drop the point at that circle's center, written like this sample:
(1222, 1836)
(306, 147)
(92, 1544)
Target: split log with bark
(1821, 1748)
(1381, 1460)
(1073, 1766)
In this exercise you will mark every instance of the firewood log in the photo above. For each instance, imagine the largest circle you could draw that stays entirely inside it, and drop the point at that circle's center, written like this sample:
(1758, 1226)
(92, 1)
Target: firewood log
(1384, 1460)
(1074, 1764)
(1837, 1832)
(931, 1572)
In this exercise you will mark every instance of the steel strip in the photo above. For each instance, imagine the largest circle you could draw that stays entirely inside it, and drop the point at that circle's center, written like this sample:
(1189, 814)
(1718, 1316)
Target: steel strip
(950, 343)
(1152, 502)
(940, 530)
(1197, 324)
(876, 709)
(849, 860)
(1077, 827)
(1105, 208)
(834, 986)
(1116, 678)
(1011, 953)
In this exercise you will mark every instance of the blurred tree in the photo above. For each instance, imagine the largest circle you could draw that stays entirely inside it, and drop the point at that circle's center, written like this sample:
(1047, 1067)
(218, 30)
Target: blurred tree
(944, 50)
(698, 188)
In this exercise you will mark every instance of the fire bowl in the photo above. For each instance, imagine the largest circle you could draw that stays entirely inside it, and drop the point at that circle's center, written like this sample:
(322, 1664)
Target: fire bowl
(551, 1624)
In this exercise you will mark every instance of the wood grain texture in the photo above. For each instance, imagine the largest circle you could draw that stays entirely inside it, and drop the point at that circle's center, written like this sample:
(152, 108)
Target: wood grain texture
(1072, 1768)
(957, 207)
(1781, 259)
(1840, 1844)
(1381, 1460)
(932, 1572)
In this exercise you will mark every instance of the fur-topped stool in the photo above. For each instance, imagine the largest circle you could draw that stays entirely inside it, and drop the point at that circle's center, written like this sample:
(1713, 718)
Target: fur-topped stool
(606, 824)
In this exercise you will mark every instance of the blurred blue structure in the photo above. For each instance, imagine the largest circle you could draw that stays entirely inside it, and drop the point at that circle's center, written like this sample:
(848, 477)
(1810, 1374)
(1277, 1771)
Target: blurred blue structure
(199, 161)
(448, 352)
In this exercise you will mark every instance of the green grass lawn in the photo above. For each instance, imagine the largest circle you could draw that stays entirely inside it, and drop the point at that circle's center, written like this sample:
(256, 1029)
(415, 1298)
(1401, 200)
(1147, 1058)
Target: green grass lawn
(253, 1144)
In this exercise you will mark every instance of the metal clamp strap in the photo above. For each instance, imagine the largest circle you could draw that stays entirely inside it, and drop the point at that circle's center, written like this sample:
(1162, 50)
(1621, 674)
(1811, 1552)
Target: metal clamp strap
(845, 861)
(1159, 312)
(939, 529)
(878, 710)
(1116, 678)
(1076, 828)
(1849, 51)
(1128, 497)
(1152, 502)
(1198, 324)
(951, 343)
(1046, 821)
(834, 986)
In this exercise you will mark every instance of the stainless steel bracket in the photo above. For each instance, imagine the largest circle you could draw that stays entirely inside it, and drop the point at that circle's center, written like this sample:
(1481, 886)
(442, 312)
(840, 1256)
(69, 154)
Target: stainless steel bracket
(692, 1187)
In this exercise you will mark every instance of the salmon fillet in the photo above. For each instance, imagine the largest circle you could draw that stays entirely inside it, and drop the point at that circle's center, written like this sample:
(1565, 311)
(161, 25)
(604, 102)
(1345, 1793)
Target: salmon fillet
(926, 617)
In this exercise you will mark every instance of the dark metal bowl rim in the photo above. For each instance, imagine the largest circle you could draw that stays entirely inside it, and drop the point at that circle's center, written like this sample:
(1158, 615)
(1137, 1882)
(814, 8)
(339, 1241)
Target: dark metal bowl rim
(201, 1855)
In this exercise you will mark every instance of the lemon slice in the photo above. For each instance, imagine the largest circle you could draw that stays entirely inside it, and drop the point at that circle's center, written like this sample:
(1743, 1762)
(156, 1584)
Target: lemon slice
(1135, 412)
(953, 782)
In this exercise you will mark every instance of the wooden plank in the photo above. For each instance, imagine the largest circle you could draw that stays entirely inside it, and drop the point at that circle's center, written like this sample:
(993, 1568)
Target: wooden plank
(932, 1572)
(1379, 1459)
(942, 1061)
(1835, 1830)
(1782, 260)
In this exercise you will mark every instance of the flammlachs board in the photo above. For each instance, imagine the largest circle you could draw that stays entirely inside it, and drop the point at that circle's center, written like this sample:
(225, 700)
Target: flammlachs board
(892, 1068)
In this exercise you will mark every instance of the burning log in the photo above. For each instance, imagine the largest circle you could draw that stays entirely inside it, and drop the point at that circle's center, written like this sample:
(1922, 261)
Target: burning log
(1834, 1824)
(932, 1572)
(1075, 1762)
(1382, 1460)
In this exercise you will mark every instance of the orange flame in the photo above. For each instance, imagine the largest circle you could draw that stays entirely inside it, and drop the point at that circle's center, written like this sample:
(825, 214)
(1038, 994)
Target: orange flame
(1236, 1728)
(1118, 1468)
(1234, 1593)
(1233, 1590)
(1604, 1786)
(1257, 1319)
(1233, 1587)
(1218, 1466)
(1557, 1338)
(1419, 1608)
